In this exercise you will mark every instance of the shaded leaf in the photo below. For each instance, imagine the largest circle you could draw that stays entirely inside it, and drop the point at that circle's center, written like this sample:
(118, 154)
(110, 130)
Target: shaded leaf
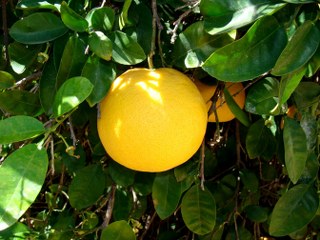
(295, 148)
(123, 204)
(73, 92)
(121, 175)
(252, 55)
(119, 230)
(101, 45)
(126, 50)
(19, 128)
(87, 186)
(101, 18)
(72, 19)
(198, 210)
(307, 94)
(124, 20)
(38, 4)
(257, 213)
(17, 231)
(37, 28)
(295, 209)
(6, 80)
(21, 177)
(299, 50)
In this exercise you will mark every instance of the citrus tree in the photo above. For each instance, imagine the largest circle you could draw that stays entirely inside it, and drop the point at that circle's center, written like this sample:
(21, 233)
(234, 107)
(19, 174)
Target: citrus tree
(253, 174)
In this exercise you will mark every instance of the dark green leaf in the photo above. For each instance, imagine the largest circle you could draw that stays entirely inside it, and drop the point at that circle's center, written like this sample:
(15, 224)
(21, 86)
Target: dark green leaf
(143, 183)
(225, 15)
(38, 4)
(262, 97)
(73, 92)
(22, 56)
(101, 45)
(123, 204)
(257, 213)
(299, 1)
(21, 177)
(17, 231)
(295, 147)
(72, 20)
(119, 230)
(259, 140)
(307, 94)
(18, 102)
(37, 28)
(124, 20)
(122, 176)
(299, 50)
(19, 128)
(198, 210)
(295, 209)
(252, 55)
(6, 80)
(309, 125)
(126, 50)
(249, 180)
(86, 187)
(72, 61)
(101, 19)
(194, 46)
(311, 169)
(166, 193)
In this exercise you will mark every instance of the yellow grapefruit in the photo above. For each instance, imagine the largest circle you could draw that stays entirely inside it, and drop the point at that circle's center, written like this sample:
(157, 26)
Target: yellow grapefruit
(152, 120)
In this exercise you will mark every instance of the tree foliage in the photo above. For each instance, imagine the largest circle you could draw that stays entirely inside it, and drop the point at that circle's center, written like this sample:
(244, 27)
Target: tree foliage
(255, 176)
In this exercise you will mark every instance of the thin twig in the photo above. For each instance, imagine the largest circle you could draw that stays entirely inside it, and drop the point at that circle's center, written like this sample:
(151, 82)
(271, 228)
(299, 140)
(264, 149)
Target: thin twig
(108, 214)
(5, 31)
(72, 134)
(27, 79)
(202, 157)
(148, 226)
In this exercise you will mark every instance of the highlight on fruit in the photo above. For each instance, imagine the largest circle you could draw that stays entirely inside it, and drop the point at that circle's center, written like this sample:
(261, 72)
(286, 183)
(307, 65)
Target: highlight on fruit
(152, 120)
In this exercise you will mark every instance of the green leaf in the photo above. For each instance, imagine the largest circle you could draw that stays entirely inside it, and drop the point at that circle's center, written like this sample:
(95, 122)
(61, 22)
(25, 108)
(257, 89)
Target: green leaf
(18, 102)
(119, 230)
(121, 175)
(235, 109)
(17, 231)
(37, 28)
(101, 45)
(123, 205)
(72, 60)
(38, 4)
(101, 74)
(126, 50)
(19, 128)
(73, 92)
(87, 186)
(295, 209)
(252, 55)
(299, 1)
(22, 56)
(225, 15)
(193, 46)
(295, 147)
(257, 213)
(249, 180)
(262, 97)
(6, 80)
(307, 94)
(259, 140)
(101, 19)
(299, 50)
(309, 125)
(22, 175)
(72, 19)
(198, 210)
(166, 193)
(124, 20)
(143, 183)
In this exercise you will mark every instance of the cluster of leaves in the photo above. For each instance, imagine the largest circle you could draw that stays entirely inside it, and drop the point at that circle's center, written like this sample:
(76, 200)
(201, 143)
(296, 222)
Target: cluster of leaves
(259, 178)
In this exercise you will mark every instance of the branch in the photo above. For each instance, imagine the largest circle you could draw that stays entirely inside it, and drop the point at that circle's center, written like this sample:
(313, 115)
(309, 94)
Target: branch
(5, 31)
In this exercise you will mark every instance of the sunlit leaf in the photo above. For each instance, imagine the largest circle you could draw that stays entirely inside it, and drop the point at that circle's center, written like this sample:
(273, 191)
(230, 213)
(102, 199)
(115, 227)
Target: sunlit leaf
(294, 209)
(101, 45)
(17, 231)
(101, 18)
(6, 80)
(119, 230)
(38, 4)
(21, 177)
(72, 19)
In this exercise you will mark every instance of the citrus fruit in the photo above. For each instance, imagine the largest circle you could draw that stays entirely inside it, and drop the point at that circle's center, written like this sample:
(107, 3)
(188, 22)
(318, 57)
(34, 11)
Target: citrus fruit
(152, 120)
(223, 111)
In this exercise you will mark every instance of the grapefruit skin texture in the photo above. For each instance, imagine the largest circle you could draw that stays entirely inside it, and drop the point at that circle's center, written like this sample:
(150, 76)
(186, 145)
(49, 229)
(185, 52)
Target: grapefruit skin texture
(152, 120)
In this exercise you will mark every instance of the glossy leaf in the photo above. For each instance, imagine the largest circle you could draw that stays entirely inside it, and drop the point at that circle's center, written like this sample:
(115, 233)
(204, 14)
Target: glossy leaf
(295, 147)
(18, 102)
(38, 4)
(6, 80)
(193, 46)
(73, 92)
(252, 55)
(166, 193)
(259, 140)
(101, 45)
(22, 56)
(299, 50)
(198, 210)
(19, 128)
(72, 19)
(120, 175)
(126, 50)
(295, 209)
(225, 15)
(72, 60)
(119, 230)
(101, 74)
(39, 27)
(21, 177)
(262, 97)
(86, 187)
(101, 19)
(124, 20)
(17, 231)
